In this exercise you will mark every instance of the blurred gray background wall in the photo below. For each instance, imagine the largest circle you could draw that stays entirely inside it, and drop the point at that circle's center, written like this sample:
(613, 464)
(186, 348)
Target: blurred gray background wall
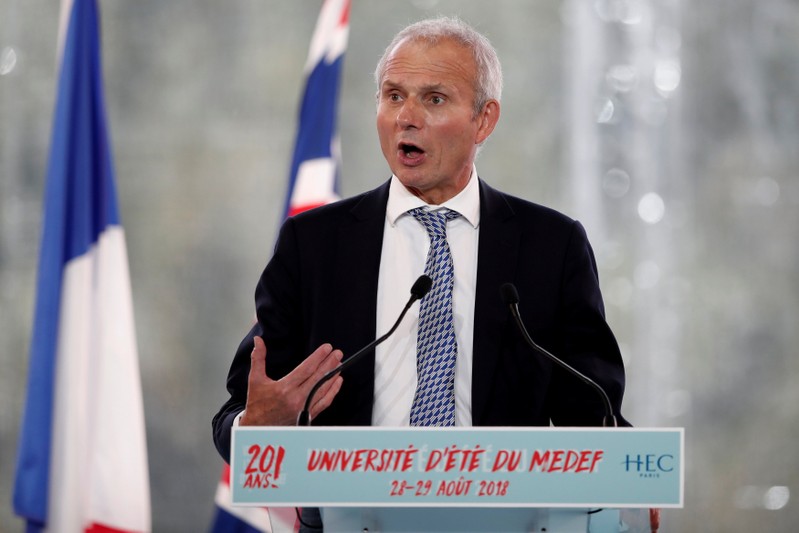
(669, 128)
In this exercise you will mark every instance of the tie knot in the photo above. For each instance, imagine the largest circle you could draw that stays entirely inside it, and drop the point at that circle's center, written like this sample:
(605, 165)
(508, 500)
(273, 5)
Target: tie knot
(435, 222)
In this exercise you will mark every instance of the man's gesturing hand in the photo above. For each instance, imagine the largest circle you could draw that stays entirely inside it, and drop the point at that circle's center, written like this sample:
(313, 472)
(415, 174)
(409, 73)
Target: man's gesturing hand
(278, 403)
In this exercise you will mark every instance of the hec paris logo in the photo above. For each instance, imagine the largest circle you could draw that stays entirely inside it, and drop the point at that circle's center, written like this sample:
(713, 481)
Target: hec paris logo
(649, 465)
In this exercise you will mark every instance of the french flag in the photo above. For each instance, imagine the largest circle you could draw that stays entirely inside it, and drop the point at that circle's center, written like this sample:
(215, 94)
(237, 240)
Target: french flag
(82, 458)
(313, 182)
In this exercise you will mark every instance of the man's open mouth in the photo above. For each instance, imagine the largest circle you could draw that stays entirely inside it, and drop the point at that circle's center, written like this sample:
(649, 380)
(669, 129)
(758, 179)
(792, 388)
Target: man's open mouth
(410, 150)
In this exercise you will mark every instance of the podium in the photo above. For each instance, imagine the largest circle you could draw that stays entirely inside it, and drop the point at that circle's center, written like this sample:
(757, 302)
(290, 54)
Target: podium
(483, 520)
(460, 479)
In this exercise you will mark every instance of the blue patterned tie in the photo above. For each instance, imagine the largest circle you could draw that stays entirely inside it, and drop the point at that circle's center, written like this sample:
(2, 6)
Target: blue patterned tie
(436, 347)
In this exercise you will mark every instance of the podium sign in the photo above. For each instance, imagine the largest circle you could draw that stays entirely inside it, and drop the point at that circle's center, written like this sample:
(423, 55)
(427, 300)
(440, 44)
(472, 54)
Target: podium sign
(457, 467)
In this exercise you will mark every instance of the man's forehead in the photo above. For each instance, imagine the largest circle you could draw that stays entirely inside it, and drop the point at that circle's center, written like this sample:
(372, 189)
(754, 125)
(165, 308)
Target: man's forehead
(421, 43)
(443, 60)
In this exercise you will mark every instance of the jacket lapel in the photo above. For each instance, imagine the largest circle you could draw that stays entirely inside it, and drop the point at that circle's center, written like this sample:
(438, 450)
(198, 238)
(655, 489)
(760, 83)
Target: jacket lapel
(496, 264)
(360, 242)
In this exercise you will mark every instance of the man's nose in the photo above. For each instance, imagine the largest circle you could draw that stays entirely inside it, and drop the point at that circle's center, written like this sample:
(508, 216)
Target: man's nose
(410, 115)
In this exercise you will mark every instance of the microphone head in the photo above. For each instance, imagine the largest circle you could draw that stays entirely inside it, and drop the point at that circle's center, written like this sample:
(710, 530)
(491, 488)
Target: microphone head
(509, 294)
(421, 286)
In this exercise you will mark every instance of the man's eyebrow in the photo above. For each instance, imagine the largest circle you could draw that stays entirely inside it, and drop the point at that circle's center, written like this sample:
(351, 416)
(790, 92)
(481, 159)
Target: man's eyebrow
(433, 87)
(388, 85)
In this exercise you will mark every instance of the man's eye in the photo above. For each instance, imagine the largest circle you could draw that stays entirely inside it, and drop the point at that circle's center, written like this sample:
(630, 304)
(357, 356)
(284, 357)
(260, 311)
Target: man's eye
(437, 100)
(394, 97)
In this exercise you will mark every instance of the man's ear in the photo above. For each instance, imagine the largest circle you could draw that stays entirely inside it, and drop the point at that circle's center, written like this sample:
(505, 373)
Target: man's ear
(487, 120)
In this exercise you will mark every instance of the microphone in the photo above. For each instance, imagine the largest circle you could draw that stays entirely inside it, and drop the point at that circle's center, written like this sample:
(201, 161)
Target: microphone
(511, 297)
(420, 287)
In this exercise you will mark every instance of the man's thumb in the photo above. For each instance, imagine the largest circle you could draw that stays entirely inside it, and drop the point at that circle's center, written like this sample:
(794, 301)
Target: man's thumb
(258, 358)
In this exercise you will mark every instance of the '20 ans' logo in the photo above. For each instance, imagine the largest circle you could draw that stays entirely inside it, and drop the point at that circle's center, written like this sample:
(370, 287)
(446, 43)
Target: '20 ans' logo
(263, 469)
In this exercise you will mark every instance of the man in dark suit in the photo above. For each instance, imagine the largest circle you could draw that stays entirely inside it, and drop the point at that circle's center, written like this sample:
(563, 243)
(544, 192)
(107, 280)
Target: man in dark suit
(340, 273)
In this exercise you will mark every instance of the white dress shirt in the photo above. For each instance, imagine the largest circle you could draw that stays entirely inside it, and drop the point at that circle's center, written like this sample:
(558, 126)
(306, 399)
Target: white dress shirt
(405, 246)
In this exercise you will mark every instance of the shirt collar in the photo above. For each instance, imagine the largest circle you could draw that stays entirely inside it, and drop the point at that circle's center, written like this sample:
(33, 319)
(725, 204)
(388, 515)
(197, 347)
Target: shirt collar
(466, 202)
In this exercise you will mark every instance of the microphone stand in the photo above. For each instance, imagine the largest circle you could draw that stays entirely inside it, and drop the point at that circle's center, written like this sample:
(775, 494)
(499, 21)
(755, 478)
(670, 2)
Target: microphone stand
(511, 297)
(419, 289)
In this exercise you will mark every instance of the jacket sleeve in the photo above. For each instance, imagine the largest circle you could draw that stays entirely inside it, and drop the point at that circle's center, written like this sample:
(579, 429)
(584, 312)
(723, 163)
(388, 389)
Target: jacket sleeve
(586, 342)
(277, 310)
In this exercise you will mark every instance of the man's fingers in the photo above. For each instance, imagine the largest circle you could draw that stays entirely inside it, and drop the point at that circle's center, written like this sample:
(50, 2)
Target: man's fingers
(324, 390)
(316, 365)
(329, 363)
(325, 395)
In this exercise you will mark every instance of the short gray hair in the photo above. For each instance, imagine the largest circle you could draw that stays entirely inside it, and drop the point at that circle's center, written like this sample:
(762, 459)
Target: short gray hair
(488, 84)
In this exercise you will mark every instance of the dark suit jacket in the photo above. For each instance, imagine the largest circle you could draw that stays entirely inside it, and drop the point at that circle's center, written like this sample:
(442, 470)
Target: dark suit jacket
(321, 282)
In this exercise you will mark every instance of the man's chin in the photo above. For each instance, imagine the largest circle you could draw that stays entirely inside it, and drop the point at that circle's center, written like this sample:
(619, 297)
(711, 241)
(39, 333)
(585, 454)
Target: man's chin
(413, 181)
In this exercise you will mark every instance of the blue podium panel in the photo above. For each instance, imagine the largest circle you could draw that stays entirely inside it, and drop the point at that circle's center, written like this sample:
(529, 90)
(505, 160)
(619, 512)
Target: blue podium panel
(482, 520)
(465, 520)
